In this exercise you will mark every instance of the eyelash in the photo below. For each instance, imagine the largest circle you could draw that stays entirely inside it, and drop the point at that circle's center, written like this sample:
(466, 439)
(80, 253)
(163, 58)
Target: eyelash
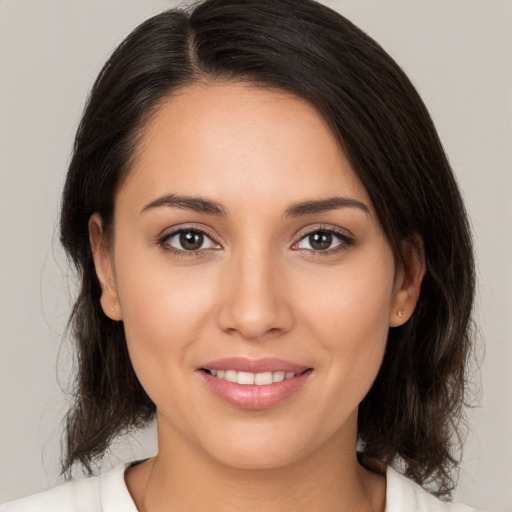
(345, 241)
(163, 242)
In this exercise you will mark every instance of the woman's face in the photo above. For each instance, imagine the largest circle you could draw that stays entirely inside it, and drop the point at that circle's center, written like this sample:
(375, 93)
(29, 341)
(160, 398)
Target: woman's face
(244, 243)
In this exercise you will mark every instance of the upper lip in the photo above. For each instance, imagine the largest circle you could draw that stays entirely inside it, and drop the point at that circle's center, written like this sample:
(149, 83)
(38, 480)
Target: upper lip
(266, 364)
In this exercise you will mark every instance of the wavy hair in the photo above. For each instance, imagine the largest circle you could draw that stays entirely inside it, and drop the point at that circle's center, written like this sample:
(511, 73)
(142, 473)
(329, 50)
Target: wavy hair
(411, 415)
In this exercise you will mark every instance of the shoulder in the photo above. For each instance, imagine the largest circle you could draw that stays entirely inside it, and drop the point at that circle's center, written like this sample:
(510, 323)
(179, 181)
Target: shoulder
(404, 495)
(79, 495)
(104, 493)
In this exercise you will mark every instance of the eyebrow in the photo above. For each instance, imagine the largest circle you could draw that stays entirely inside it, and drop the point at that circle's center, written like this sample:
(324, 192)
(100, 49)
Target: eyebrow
(210, 207)
(323, 205)
(196, 204)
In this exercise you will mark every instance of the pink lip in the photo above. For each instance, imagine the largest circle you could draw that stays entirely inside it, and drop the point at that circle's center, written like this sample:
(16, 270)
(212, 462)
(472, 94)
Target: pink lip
(252, 396)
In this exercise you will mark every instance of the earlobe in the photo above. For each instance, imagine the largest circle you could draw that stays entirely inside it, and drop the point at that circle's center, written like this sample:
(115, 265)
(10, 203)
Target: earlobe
(104, 269)
(408, 281)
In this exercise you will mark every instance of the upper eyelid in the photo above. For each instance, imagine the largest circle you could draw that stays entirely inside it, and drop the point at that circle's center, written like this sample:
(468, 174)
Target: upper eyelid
(163, 242)
(169, 232)
(346, 239)
(344, 234)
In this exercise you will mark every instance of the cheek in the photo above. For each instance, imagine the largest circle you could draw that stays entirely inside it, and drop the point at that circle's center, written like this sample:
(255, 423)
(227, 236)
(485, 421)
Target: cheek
(164, 310)
(352, 298)
(349, 318)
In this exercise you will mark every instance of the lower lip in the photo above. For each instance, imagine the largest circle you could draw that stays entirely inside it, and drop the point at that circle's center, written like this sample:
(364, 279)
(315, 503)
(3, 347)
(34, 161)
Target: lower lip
(250, 396)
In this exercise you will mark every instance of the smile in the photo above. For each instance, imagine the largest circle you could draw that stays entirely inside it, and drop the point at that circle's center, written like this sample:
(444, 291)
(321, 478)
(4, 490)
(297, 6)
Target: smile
(249, 378)
(254, 384)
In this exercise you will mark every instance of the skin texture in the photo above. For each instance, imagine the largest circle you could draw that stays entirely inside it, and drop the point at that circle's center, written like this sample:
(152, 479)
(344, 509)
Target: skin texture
(255, 289)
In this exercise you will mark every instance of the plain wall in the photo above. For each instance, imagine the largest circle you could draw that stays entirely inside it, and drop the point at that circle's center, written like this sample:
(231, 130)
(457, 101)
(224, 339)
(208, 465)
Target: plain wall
(457, 52)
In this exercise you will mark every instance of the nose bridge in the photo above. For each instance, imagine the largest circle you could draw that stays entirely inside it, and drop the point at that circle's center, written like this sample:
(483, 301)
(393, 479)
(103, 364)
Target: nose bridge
(252, 304)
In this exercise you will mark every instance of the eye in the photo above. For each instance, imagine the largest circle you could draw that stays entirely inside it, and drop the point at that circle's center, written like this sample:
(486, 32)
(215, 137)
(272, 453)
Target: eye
(322, 240)
(189, 240)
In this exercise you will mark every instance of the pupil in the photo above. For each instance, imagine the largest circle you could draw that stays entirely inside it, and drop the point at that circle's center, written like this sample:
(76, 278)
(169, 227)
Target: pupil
(191, 240)
(320, 240)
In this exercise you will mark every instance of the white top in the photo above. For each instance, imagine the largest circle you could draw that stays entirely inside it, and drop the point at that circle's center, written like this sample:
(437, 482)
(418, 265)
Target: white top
(108, 493)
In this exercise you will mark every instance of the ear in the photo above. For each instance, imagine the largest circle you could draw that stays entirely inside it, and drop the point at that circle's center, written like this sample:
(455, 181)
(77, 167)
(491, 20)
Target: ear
(102, 257)
(408, 281)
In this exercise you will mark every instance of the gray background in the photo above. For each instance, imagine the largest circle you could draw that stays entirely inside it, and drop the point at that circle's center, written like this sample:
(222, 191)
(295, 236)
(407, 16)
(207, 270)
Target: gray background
(457, 52)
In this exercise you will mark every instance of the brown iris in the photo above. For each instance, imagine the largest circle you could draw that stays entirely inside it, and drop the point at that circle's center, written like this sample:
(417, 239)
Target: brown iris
(191, 240)
(320, 240)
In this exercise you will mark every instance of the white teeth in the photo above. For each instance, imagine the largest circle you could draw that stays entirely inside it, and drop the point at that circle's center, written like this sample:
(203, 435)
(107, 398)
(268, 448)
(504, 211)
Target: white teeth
(230, 375)
(245, 378)
(278, 376)
(264, 378)
(248, 378)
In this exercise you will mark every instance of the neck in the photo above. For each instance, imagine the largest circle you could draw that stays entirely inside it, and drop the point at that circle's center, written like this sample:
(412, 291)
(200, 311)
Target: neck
(185, 478)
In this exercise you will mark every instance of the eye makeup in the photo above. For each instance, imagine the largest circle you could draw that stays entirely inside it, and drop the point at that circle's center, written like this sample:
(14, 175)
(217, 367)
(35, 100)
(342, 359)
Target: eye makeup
(187, 241)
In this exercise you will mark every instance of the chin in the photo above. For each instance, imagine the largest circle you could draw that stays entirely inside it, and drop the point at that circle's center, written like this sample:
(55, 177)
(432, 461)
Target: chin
(256, 460)
(253, 451)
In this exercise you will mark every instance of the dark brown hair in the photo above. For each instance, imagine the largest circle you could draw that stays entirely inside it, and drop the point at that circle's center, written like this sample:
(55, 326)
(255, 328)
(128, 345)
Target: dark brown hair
(413, 409)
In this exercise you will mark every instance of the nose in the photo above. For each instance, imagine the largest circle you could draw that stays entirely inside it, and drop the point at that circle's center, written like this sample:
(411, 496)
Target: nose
(254, 303)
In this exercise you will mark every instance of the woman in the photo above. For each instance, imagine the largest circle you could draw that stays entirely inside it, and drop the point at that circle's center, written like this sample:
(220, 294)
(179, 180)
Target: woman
(275, 263)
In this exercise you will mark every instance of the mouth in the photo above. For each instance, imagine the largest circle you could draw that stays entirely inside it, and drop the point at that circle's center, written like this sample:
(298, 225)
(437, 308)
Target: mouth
(254, 384)
(250, 378)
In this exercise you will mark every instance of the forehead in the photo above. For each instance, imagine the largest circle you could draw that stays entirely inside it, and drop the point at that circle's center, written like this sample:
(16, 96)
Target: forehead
(227, 140)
